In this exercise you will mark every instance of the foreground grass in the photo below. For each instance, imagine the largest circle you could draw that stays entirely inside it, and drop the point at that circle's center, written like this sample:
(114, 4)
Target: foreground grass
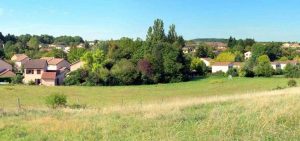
(95, 97)
(270, 115)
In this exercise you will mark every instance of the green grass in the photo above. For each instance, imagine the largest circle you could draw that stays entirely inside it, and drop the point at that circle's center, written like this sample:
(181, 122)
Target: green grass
(181, 111)
(33, 96)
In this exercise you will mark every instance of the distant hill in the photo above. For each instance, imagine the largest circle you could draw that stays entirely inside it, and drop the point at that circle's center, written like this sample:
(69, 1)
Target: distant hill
(210, 40)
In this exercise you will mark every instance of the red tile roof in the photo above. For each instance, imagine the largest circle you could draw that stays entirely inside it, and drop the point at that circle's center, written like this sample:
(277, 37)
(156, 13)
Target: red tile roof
(6, 73)
(49, 75)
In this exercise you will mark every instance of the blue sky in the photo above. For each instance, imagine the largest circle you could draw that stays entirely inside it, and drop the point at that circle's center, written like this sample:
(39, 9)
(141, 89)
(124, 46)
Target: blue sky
(264, 20)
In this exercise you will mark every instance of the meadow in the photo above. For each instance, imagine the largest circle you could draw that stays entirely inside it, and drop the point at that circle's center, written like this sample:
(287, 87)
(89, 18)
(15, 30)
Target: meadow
(215, 108)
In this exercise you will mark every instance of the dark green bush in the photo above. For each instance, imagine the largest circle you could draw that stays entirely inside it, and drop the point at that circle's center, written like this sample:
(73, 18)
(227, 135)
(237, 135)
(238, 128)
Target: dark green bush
(292, 83)
(233, 72)
(56, 100)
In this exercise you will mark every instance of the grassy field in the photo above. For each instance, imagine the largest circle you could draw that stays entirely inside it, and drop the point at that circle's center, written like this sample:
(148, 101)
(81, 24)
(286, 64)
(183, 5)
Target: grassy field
(204, 109)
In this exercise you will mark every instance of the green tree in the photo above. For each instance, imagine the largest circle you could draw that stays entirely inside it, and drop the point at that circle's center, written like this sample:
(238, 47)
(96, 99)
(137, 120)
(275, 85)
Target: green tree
(198, 66)
(33, 43)
(225, 57)
(263, 67)
(124, 72)
(75, 54)
(172, 35)
(156, 33)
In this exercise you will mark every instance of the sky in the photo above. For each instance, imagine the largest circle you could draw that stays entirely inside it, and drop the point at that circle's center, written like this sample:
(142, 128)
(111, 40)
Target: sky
(263, 20)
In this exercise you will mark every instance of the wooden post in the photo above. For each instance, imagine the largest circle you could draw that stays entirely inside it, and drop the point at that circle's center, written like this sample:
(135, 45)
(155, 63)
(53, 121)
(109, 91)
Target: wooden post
(19, 104)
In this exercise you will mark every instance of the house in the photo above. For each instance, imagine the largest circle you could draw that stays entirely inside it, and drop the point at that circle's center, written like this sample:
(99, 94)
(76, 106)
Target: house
(56, 63)
(5, 65)
(20, 60)
(77, 65)
(6, 70)
(206, 61)
(224, 66)
(282, 64)
(6, 73)
(52, 78)
(248, 55)
(188, 49)
(33, 70)
(290, 45)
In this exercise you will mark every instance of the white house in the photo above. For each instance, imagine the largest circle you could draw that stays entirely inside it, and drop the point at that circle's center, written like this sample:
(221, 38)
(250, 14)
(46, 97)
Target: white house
(224, 66)
(282, 64)
(207, 61)
(248, 55)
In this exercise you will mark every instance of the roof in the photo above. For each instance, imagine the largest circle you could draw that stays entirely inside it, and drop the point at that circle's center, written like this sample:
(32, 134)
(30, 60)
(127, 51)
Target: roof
(285, 62)
(49, 75)
(52, 60)
(207, 59)
(47, 58)
(19, 57)
(6, 73)
(222, 63)
(35, 64)
(55, 61)
(4, 64)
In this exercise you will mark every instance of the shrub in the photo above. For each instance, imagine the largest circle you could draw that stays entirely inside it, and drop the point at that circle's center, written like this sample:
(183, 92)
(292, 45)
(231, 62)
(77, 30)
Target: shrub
(77, 106)
(18, 79)
(292, 71)
(263, 67)
(292, 83)
(31, 82)
(233, 72)
(219, 73)
(56, 100)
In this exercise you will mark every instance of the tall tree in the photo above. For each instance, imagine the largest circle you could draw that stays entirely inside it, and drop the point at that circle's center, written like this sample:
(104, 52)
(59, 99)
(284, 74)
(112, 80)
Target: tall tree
(33, 43)
(172, 35)
(158, 33)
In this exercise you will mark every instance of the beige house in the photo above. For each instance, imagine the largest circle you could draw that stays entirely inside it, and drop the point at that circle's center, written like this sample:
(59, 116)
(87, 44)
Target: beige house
(20, 60)
(56, 63)
(77, 65)
(52, 78)
(33, 70)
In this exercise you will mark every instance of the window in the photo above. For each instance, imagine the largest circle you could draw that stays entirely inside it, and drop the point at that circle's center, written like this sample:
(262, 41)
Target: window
(278, 66)
(38, 71)
(28, 71)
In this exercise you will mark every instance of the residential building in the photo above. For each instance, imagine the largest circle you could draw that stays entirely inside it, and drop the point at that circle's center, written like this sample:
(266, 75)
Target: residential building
(77, 65)
(224, 66)
(33, 70)
(52, 78)
(5, 65)
(282, 64)
(188, 49)
(19, 60)
(56, 63)
(6, 70)
(207, 61)
(6, 73)
(248, 55)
